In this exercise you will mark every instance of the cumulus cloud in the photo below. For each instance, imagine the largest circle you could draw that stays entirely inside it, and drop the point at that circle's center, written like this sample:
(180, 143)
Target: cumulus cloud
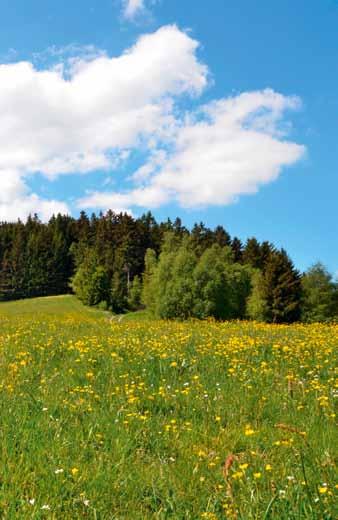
(56, 123)
(228, 148)
(17, 202)
(89, 111)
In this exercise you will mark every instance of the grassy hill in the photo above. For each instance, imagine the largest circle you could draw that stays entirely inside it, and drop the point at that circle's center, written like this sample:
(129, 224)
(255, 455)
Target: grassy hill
(141, 419)
(57, 306)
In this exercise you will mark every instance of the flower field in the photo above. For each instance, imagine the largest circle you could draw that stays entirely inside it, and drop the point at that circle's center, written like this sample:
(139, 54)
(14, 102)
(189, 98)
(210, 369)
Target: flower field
(140, 419)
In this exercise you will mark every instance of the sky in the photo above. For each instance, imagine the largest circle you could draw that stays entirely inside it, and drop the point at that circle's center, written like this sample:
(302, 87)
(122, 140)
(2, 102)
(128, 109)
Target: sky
(223, 111)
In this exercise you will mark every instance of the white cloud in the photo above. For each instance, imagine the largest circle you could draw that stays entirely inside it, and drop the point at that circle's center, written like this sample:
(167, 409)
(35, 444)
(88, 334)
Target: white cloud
(132, 7)
(229, 148)
(90, 111)
(56, 123)
(16, 201)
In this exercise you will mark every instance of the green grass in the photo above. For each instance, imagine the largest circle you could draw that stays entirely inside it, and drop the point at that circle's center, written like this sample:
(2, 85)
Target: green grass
(134, 419)
(51, 306)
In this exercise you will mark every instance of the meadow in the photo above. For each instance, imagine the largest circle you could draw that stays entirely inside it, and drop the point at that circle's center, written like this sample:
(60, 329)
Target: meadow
(140, 419)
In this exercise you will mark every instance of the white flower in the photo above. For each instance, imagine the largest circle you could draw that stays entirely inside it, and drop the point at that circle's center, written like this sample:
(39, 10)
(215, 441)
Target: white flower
(32, 501)
(86, 502)
(46, 507)
(57, 471)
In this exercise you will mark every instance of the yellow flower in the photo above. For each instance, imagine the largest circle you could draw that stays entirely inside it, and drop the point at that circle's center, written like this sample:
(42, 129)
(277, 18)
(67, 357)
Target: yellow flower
(257, 475)
(249, 431)
(237, 475)
(74, 471)
(243, 466)
(322, 490)
(268, 467)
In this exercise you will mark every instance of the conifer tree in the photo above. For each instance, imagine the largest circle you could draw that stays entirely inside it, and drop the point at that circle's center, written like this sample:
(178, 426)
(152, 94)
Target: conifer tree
(237, 249)
(281, 289)
(252, 254)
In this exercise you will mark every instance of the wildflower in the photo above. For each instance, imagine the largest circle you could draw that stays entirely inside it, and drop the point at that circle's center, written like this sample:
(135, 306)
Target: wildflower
(257, 475)
(57, 471)
(249, 431)
(243, 466)
(238, 475)
(32, 501)
(74, 471)
(268, 467)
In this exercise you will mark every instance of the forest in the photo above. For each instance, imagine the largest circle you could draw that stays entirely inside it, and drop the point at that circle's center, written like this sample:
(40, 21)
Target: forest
(121, 263)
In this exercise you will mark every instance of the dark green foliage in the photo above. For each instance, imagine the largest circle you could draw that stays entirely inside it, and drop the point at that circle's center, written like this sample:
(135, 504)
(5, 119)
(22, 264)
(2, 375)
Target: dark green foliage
(276, 295)
(125, 263)
(319, 295)
(237, 249)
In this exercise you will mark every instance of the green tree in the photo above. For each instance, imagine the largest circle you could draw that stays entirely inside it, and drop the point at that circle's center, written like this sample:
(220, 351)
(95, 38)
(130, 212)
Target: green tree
(135, 293)
(252, 254)
(148, 296)
(91, 282)
(212, 290)
(257, 308)
(281, 289)
(319, 295)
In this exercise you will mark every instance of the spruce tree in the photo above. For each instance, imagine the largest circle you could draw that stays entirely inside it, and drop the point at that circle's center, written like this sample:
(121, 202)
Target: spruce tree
(281, 289)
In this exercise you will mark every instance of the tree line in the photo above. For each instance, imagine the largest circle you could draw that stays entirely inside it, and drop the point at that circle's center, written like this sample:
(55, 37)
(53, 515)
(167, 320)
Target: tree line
(124, 263)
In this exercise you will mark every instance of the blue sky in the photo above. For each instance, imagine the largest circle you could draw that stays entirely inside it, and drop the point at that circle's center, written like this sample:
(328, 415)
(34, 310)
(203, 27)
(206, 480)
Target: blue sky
(225, 112)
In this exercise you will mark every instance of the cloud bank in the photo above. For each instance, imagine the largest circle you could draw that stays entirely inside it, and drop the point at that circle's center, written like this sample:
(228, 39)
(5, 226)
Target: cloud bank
(89, 113)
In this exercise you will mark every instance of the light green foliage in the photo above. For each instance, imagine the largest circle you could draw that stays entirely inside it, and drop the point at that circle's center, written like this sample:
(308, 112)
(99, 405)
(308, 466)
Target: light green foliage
(91, 283)
(147, 296)
(319, 295)
(170, 288)
(256, 304)
(134, 298)
(177, 299)
(182, 285)
(216, 284)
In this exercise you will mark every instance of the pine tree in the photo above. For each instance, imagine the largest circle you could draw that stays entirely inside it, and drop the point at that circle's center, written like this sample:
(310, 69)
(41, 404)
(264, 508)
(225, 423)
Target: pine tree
(237, 249)
(281, 289)
(252, 254)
